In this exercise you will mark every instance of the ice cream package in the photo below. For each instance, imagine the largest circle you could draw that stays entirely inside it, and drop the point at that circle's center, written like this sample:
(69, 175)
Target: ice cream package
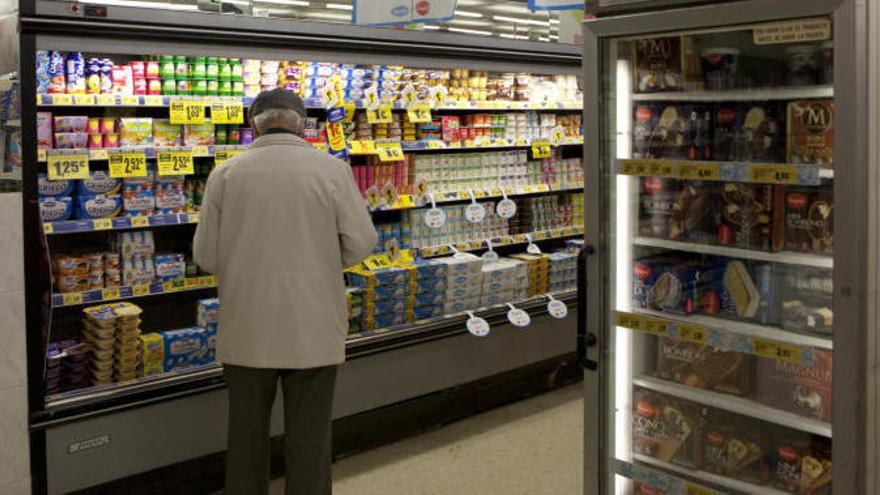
(739, 289)
(666, 284)
(749, 132)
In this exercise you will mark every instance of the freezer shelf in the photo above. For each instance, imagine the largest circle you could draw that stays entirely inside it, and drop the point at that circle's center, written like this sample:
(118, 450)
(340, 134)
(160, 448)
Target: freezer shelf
(710, 478)
(759, 94)
(736, 404)
(131, 291)
(749, 338)
(791, 258)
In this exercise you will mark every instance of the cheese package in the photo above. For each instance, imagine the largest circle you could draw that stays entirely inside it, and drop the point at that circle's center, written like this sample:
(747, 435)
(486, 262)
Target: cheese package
(89, 207)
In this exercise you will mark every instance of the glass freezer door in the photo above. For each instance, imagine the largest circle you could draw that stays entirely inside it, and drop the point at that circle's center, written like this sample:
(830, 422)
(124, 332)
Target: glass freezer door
(719, 215)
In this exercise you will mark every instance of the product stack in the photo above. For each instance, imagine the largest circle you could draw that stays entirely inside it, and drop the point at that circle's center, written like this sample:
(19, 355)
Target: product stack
(67, 366)
(506, 280)
(77, 273)
(464, 282)
(113, 333)
(538, 272)
(385, 295)
(427, 282)
(456, 228)
(355, 303)
(563, 271)
(378, 173)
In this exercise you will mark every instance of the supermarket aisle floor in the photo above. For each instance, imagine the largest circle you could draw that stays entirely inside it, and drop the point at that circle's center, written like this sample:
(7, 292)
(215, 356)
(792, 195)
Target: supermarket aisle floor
(531, 447)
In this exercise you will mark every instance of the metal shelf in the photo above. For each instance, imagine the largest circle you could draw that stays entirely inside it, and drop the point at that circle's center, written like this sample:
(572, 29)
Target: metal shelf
(159, 101)
(756, 173)
(130, 291)
(735, 404)
(788, 257)
(507, 240)
(758, 94)
(119, 223)
(710, 478)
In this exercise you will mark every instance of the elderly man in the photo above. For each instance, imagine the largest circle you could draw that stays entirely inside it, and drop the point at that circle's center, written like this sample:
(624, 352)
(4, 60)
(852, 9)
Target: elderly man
(279, 223)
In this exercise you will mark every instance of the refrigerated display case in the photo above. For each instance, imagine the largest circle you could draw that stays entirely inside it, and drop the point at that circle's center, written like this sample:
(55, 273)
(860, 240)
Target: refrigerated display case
(121, 136)
(727, 138)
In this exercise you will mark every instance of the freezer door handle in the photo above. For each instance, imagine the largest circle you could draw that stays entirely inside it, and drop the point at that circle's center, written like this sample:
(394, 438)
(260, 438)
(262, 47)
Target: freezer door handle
(585, 339)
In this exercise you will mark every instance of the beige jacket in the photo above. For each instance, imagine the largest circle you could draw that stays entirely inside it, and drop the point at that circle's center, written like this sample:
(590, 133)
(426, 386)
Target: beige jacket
(278, 224)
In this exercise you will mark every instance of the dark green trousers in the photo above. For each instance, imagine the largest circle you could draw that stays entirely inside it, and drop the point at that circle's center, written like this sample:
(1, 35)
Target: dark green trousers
(308, 400)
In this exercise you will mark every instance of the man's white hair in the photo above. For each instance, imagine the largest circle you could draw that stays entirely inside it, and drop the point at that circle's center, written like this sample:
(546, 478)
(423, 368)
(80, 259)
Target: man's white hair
(279, 118)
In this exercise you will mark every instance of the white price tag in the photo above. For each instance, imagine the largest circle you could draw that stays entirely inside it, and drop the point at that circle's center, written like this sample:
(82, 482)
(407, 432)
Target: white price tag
(435, 217)
(518, 317)
(532, 248)
(490, 256)
(475, 212)
(556, 308)
(477, 326)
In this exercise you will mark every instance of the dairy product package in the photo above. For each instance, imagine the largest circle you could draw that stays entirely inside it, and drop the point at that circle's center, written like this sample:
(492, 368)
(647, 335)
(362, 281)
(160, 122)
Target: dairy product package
(99, 182)
(136, 131)
(135, 243)
(71, 123)
(198, 134)
(138, 270)
(89, 207)
(207, 311)
(167, 134)
(44, 130)
(183, 348)
(169, 266)
(46, 187)
(137, 201)
(56, 208)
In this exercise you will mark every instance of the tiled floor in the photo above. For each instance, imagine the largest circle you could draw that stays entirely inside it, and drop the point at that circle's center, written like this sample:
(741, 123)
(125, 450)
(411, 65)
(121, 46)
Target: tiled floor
(532, 447)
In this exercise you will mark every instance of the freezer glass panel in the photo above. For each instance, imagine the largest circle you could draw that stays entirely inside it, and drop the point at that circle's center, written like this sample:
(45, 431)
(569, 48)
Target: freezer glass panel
(720, 326)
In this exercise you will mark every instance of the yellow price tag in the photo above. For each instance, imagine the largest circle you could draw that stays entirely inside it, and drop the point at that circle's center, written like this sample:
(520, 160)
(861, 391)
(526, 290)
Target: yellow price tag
(773, 174)
(102, 224)
(99, 154)
(780, 351)
(698, 490)
(64, 167)
(335, 136)
(377, 262)
(691, 333)
(84, 100)
(140, 221)
(193, 217)
(201, 150)
(131, 164)
(192, 282)
(454, 144)
(70, 298)
(541, 149)
(435, 144)
(41, 155)
(468, 143)
(486, 142)
(110, 293)
(698, 171)
(175, 162)
(48, 228)
(130, 101)
(661, 169)
(633, 167)
(380, 114)
(210, 280)
(627, 320)
(373, 198)
(186, 111)
(419, 113)
(506, 240)
(655, 326)
(62, 99)
(106, 100)
(227, 112)
(520, 141)
(153, 101)
(349, 108)
(140, 290)
(223, 155)
(362, 147)
(499, 142)
(390, 152)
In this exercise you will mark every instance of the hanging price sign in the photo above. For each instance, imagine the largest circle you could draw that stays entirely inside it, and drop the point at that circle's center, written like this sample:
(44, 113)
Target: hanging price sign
(475, 212)
(541, 149)
(532, 248)
(438, 95)
(362, 147)
(186, 111)
(477, 326)
(335, 136)
(390, 152)
(435, 217)
(371, 97)
(505, 208)
(556, 308)
(227, 112)
(421, 189)
(128, 164)
(389, 194)
(381, 114)
(419, 113)
(373, 197)
(68, 166)
(175, 162)
(518, 317)
(328, 96)
(377, 262)
(490, 256)
(408, 94)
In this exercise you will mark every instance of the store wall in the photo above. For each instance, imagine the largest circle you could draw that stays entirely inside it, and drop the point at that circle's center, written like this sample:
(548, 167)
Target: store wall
(14, 451)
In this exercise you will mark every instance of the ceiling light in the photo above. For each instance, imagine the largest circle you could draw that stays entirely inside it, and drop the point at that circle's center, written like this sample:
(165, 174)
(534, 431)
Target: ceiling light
(295, 3)
(470, 31)
(145, 5)
(554, 21)
(339, 6)
(467, 13)
(431, 27)
(518, 20)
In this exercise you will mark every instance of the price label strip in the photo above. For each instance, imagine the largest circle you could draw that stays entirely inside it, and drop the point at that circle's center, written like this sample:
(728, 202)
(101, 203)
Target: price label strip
(221, 156)
(653, 168)
(773, 174)
(362, 147)
(182, 111)
(541, 150)
(698, 171)
(175, 162)
(66, 166)
(128, 164)
(227, 112)
(781, 351)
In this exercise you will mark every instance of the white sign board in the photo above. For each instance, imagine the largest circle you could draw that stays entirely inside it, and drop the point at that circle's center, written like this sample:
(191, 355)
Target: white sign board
(394, 12)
